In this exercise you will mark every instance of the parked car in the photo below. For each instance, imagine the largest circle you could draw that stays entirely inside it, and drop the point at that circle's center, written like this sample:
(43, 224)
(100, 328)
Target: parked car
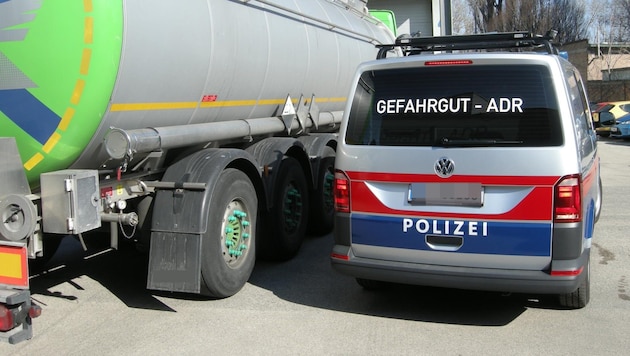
(621, 128)
(605, 116)
(594, 106)
(468, 170)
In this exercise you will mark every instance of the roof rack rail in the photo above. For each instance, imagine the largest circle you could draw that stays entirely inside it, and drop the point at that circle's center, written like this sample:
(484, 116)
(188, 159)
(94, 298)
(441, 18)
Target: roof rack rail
(505, 40)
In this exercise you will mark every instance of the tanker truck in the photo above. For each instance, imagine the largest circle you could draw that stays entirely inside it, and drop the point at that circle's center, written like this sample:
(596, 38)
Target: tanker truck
(203, 129)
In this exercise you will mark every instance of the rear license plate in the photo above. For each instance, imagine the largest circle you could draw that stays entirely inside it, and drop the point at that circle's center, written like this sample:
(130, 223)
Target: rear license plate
(452, 194)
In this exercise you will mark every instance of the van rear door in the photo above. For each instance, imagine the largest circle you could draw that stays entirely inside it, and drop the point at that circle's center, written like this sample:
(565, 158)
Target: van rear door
(458, 163)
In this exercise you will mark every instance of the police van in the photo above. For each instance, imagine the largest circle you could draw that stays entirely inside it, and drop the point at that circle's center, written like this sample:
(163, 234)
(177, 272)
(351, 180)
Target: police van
(469, 169)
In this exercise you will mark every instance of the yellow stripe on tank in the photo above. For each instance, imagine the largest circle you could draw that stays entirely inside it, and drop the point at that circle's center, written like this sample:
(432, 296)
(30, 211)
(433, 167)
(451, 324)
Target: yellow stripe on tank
(85, 61)
(88, 32)
(330, 100)
(118, 107)
(87, 5)
(33, 161)
(52, 141)
(228, 103)
(66, 118)
(78, 91)
(153, 106)
(273, 102)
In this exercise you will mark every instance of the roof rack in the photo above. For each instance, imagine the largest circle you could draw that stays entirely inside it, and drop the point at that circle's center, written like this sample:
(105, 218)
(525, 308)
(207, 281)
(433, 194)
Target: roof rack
(505, 40)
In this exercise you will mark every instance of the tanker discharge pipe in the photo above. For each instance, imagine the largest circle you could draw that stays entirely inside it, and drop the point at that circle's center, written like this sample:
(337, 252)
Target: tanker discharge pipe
(124, 144)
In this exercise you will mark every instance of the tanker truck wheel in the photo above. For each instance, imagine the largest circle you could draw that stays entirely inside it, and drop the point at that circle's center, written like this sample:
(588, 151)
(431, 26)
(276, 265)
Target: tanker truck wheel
(228, 246)
(322, 216)
(287, 221)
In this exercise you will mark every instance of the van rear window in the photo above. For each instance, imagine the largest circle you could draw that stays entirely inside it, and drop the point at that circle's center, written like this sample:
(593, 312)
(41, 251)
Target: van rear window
(468, 105)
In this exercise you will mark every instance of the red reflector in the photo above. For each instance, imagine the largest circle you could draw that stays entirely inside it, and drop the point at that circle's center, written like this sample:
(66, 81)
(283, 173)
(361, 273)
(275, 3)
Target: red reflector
(6, 318)
(447, 63)
(342, 192)
(14, 266)
(35, 311)
(569, 273)
(340, 256)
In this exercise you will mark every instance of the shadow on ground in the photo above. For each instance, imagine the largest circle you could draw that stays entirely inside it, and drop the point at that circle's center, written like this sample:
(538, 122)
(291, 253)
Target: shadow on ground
(308, 279)
(122, 272)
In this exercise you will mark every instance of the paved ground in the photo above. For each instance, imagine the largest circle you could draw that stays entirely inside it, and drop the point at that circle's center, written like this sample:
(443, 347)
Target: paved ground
(99, 305)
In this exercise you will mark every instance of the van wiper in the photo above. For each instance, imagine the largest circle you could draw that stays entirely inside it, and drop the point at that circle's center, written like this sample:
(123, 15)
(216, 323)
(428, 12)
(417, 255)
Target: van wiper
(473, 142)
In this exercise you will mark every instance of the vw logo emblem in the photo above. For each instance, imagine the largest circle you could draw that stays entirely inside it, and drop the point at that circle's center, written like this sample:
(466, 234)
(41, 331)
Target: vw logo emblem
(444, 167)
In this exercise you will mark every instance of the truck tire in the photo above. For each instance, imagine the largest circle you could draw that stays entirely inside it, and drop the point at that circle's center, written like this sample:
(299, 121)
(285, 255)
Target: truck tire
(322, 216)
(228, 246)
(287, 220)
(580, 297)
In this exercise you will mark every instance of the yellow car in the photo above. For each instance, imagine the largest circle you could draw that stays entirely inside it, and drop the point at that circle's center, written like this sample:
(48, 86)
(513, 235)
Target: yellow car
(605, 116)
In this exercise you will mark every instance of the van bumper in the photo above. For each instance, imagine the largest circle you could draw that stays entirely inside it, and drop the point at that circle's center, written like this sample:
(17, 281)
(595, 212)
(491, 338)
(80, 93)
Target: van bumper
(488, 279)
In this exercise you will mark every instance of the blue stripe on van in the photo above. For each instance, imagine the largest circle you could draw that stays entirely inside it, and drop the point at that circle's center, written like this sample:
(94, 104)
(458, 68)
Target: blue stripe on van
(479, 237)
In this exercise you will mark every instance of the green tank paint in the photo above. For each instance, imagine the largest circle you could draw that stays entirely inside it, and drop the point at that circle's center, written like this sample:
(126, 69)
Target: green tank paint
(70, 54)
(387, 17)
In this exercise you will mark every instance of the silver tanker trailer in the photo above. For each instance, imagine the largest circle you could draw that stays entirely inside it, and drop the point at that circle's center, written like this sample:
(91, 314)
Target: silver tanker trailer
(204, 129)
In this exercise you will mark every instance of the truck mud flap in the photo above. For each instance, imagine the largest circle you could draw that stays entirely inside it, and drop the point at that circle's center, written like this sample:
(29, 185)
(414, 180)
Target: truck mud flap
(175, 262)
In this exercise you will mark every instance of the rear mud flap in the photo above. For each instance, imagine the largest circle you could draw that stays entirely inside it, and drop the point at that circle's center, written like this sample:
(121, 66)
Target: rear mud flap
(175, 262)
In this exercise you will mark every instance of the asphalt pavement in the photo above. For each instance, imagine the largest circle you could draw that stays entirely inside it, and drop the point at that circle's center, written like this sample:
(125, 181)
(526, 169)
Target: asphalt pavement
(96, 303)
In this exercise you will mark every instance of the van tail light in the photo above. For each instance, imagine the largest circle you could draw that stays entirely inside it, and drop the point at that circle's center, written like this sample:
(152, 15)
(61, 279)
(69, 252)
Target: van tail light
(342, 192)
(567, 201)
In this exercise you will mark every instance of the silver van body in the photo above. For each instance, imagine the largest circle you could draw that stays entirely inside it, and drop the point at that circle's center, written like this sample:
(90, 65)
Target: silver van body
(469, 170)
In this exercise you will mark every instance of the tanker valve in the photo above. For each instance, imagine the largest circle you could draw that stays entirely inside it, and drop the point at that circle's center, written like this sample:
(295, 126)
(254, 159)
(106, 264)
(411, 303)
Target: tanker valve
(130, 219)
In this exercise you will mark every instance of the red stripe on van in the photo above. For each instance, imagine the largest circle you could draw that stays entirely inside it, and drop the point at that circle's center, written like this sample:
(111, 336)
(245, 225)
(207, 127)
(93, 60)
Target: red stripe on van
(536, 206)
(432, 178)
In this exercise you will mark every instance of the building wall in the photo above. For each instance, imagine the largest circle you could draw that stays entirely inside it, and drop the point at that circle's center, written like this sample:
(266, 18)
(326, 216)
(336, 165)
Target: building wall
(616, 74)
(611, 90)
(600, 66)
(412, 16)
(578, 56)
(591, 67)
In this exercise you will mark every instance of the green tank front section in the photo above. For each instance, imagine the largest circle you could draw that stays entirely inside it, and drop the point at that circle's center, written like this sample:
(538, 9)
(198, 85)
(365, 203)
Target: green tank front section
(58, 65)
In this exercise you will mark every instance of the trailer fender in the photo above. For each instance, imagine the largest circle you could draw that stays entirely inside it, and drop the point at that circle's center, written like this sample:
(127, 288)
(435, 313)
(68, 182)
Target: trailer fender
(180, 224)
(286, 168)
(321, 150)
(269, 154)
(318, 147)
